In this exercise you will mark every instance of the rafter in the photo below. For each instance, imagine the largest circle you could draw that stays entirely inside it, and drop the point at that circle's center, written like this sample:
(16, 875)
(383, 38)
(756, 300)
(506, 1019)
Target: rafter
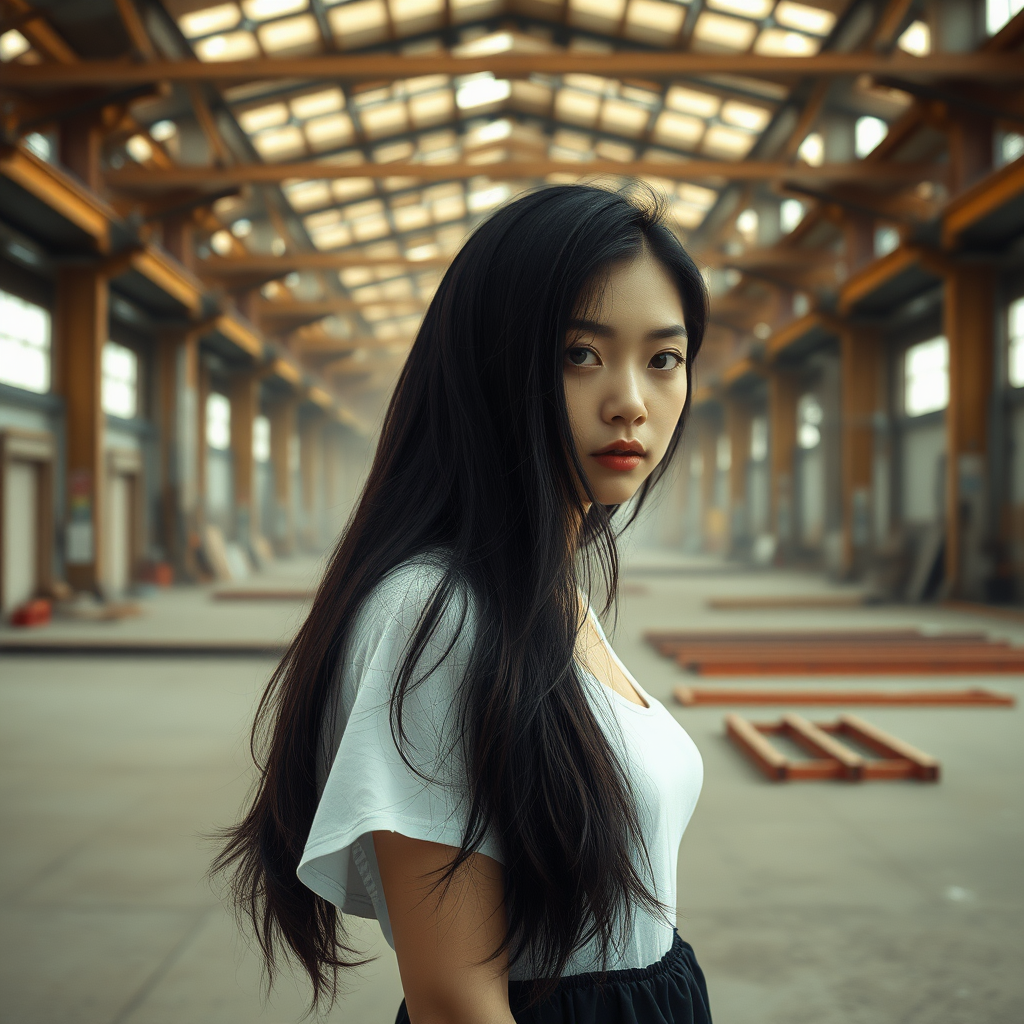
(233, 266)
(143, 179)
(649, 64)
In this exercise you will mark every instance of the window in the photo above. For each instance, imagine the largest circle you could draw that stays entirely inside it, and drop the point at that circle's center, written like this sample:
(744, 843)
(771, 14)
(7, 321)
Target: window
(1009, 146)
(218, 422)
(758, 439)
(999, 12)
(24, 344)
(261, 439)
(926, 377)
(723, 453)
(120, 381)
(886, 239)
(1015, 315)
(809, 415)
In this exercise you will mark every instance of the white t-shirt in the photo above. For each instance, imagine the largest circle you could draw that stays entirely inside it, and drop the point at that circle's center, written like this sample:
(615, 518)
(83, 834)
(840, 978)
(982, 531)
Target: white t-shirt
(369, 787)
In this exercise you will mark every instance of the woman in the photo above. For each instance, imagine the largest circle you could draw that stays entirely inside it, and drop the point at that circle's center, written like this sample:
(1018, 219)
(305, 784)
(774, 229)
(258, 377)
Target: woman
(450, 745)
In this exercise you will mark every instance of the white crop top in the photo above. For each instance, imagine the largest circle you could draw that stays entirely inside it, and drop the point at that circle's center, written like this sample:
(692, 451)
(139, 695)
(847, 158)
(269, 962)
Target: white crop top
(369, 787)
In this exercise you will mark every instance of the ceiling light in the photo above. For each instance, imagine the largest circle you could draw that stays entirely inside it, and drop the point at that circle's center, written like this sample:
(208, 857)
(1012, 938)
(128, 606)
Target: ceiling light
(481, 90)
(163, 130)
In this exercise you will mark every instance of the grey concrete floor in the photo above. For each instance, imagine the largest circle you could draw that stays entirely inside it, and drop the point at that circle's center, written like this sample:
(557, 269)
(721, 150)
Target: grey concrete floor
(824, 902)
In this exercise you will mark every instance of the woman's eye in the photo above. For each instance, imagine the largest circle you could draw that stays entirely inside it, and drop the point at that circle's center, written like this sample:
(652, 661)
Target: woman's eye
(666, 361)
(579, 356)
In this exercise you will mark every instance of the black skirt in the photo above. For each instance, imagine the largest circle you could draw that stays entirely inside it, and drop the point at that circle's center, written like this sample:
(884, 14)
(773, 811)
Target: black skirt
(672, 991)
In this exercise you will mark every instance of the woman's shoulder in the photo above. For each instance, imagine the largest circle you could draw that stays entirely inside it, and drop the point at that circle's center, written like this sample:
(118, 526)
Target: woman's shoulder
(400, 599)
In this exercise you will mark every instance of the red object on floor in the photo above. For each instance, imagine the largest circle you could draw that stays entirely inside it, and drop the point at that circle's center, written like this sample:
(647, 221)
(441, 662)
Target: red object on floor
(36, 612)
(159, 573)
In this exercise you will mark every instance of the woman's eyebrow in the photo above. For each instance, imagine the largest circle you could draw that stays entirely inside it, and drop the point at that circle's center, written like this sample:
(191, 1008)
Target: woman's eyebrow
(604, 331)
(672, 331)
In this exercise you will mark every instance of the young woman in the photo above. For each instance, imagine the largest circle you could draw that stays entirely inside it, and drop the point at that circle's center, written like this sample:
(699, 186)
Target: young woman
(450, 745)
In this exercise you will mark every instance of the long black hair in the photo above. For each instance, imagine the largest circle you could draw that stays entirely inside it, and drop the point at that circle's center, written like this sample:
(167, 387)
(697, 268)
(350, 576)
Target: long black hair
(476, 459)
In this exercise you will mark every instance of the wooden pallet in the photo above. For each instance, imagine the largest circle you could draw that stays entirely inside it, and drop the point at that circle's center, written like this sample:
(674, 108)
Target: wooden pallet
(831, 759)
(690, 696)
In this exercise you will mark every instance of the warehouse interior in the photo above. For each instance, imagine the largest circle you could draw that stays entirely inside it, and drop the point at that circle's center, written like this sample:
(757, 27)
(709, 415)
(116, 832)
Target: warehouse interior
(220, 226)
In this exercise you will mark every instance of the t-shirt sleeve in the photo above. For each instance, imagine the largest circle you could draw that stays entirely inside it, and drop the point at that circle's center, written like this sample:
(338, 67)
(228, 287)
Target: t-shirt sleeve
(369, 786)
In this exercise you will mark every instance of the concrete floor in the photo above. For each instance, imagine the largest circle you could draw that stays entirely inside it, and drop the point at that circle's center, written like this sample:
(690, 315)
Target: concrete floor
(817, 902)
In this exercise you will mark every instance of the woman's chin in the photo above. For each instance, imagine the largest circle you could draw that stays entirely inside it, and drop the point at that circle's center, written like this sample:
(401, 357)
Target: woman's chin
(615, 492)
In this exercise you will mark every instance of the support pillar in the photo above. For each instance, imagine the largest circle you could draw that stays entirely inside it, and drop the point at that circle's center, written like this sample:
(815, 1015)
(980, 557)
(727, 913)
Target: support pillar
(711, 520)
(333, 476)
(860, 376)
(244, 398)
(82, 331)
(282, 431)
(737, 425)
(80, 145)
(783, 393)
(968, 323)
(181, 435)
(311, 461)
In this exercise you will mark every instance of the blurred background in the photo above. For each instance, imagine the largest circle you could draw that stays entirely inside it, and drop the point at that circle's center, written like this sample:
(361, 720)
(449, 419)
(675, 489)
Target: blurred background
(220, 225)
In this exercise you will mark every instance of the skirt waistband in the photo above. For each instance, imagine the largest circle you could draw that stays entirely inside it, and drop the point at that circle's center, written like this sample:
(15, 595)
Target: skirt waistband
(670, 961)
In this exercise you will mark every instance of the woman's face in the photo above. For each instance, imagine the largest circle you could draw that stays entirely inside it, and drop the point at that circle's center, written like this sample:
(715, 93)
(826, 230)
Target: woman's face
(625, 378)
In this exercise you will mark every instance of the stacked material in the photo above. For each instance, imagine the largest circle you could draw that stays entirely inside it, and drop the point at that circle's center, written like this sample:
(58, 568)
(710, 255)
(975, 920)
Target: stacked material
(844, 652)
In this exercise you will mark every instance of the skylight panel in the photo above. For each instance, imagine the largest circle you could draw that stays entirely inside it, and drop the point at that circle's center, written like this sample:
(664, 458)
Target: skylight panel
(352, 277)
(776, 42)
(431, 142)
(624, 118)
(344, 189)
(411, 218)
(261, 10)
(328, 230)
(279, 143)
(211, 19)
(605, 149)
(730, 143)
(916, 39)
(533, 96)
(358, 22)
(385, 119)
(589, 83)
(745, 115)
(481, 91)
(653, 17)
(488, 197)
(728, 33)
(259, 118)
(12, 45)
(685, 215)
(449, 208)
(690, 101)
(599, 14)
(697, 195)
(368, 228)
(812, 150)
(315, 104)
(577, 107)
(495, 42)
(394, 151)
(432, 108)
(681, 130)
(868, 133)
(233, 46)
(330, 131)
(308, 195)
(423, 251)
(746, 8)
(803, 18)
(403, 11)
(492, 131)
(423, 83)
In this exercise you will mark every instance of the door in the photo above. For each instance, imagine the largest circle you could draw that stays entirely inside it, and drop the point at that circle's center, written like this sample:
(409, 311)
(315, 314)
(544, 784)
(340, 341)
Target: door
(21, 538)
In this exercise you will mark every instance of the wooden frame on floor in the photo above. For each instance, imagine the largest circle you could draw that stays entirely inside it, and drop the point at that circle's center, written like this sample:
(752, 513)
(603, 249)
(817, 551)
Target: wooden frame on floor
(831, 759)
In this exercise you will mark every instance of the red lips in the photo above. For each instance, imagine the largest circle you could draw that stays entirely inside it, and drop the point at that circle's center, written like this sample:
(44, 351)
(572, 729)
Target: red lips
(621, 456)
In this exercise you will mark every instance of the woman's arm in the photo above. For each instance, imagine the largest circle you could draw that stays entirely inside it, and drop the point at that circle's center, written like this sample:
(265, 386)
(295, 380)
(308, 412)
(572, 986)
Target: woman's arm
(440, 942)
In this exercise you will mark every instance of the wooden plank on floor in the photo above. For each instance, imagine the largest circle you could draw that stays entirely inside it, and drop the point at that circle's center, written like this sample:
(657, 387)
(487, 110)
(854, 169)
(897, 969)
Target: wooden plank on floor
(690, 696)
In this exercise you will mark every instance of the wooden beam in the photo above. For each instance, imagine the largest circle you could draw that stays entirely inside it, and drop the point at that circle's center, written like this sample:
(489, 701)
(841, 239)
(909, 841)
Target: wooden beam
(170, 277)
(136, 30)
(668, 64)
(60, 192)
(267, 309)
(231, 266)
(141, 179)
